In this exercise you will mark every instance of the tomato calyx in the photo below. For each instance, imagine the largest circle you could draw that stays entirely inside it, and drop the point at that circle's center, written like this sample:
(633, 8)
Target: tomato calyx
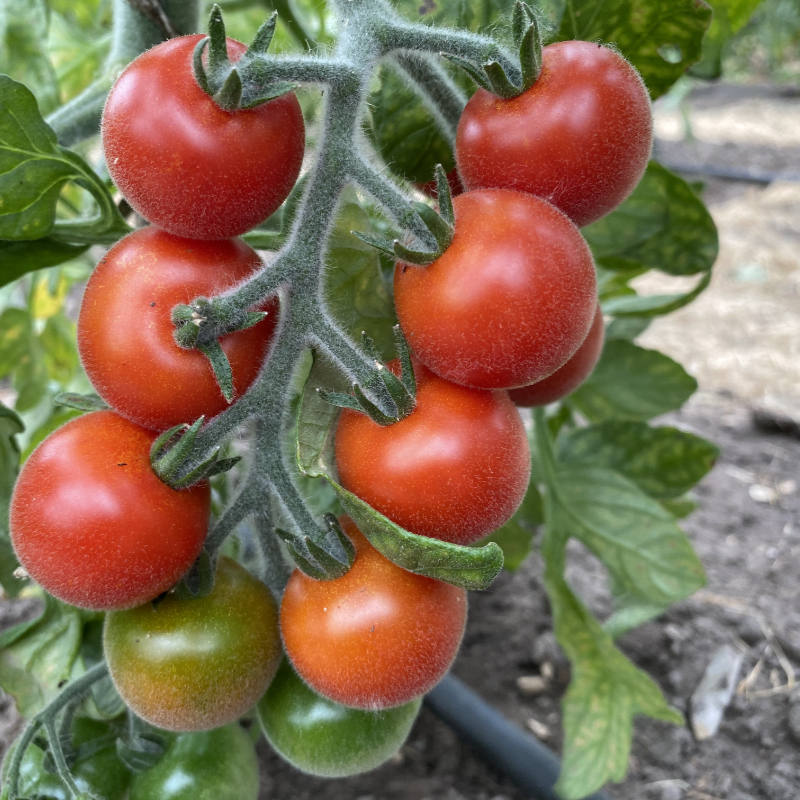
(170, 452)
(81, 402)
(231, 87)
(323, 565)
(402, 389)
(441, 225)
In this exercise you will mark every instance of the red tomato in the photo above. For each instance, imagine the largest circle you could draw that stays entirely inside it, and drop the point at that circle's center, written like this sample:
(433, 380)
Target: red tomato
(570, 376)
(511, 299)
(375, 638)
(580, 137)
(185, 164)
(455, 469)
(125, 331)
(93, 524)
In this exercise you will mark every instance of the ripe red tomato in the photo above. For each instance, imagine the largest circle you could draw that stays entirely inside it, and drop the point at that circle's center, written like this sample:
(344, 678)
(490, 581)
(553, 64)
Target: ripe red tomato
(455, 469)
(511, 299)
(125, 331)
(193, 665)
(187, 165)
(580, 137)
(570, 376)
(93, 524)
(375, 638)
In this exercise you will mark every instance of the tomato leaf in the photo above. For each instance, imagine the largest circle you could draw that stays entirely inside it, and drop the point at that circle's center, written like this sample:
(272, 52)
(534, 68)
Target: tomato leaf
(664, 462)
(663, 225)
(10, 426)
(654, 305)
(19, 258)
(405, 133)
(634, 536)
(355, 288)
(516, 536)
(630, 382)
(661, 38)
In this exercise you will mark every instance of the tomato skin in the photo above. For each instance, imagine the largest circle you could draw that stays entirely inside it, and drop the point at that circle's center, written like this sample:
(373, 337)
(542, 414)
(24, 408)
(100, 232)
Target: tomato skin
(580, 137)
(187, 165)
(93, 524)
(376, 638)
(125, 330)
(209, 765)
(508, 302)
(101, 774)
(570, 376)
(455, 469)
(193, 665)
(323, 738)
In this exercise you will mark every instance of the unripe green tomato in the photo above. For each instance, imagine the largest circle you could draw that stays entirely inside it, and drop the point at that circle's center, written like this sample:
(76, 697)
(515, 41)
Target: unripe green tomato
(323, 738)
(101, 774)
(211, 765)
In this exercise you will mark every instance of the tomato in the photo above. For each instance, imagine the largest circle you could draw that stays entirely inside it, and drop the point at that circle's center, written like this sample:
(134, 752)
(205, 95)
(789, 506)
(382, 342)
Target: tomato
(580, 137)
(455, 469)
(377, 637)
(192, 665)
(570, 376)
(125, 330)
(187, 165)
(210, 765)
(93, 524)
(323, 738)
(97, 772)
(508, 302)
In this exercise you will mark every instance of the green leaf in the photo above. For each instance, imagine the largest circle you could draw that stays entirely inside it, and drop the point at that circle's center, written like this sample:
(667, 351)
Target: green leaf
(19, 258)
(10, 425)
(58, 339)
(15, 336)
(638, 541)
(404, 131)
(729, 17)
(36, 656)
(653, 305)
(630, 382)
(663, 225)
(605, 693)
(627, 328)
(680, 507)
(661, 38)
(663, 462)
(355, 288)
(474, 15)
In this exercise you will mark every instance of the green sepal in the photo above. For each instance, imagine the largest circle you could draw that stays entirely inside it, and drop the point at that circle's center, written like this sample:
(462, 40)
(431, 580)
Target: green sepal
(333, 526)
(339, 399)
(420, 258)
(199, 580)
(530, 55)
(406, 367)
(197, 66)
(477, 75)
(332, 566)
(263, 38)
(442, 230)
(252, 318)
(81, 402)
(370, 409)
(168, 452)
(229, 95)
(220, 465)
(301, 562)
(316, 562)
(499, 81)
(142, 751)
(384, 245)
(444, 196)
(520, 21)
(221, 366)
(275, 90)
(218, 46)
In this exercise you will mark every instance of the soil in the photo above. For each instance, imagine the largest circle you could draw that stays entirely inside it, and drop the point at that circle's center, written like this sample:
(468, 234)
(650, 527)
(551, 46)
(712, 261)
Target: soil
(741, 339)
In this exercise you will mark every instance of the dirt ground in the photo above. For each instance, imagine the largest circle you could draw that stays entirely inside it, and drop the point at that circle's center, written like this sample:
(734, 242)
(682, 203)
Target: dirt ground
(741, 339)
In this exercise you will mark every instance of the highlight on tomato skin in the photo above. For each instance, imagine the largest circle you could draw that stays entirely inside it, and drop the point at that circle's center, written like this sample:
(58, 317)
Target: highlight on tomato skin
(455, 469)
(508, 302)
(593, 125)
(376, 638)
(196, 664)
(567, 379)
(125, 328)
(189, 166)
(94, 526)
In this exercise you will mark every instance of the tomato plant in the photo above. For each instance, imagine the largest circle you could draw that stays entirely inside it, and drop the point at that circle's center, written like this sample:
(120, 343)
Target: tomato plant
(125, 330)
(508, 302)
(189, 166)
(460, 488)
(593, 133)
(208, 765)
(191, 665)
(327, 739)
(377, 637)
(569, 377)
(92, 523)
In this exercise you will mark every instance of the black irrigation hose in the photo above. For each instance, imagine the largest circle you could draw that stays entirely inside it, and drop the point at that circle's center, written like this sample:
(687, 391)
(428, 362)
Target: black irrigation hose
(529, 765)
(731, 173)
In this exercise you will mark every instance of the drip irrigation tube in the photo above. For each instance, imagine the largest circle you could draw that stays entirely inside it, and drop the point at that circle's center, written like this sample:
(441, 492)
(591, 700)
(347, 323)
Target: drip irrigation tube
(530, 765)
